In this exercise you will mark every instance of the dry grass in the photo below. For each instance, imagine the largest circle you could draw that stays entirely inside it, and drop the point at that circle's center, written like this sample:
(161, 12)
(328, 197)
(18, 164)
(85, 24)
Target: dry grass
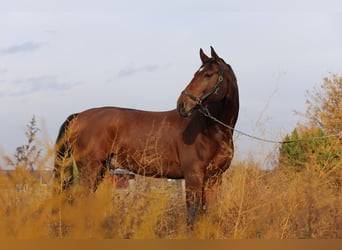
(254, 203)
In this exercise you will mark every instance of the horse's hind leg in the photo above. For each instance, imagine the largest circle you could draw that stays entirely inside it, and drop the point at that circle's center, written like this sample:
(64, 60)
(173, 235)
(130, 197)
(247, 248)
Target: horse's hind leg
(63, 174)
(92, 173)
(99, 178)
(87, 173)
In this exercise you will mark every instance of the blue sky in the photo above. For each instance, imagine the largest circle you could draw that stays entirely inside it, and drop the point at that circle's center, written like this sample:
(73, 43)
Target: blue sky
(60, 57)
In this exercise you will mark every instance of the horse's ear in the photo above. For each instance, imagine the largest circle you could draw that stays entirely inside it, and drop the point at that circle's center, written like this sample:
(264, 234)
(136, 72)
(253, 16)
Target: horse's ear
(203, 56)
(213, 54)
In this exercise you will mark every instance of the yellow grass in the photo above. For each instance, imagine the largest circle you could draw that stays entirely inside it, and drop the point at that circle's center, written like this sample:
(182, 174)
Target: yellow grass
(253, 203)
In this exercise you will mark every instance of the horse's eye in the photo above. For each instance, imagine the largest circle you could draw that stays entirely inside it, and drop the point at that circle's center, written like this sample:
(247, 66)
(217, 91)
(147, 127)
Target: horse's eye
(207, 75)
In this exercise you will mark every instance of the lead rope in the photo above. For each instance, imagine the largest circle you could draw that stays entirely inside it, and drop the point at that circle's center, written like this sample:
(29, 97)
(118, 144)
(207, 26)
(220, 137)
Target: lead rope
(205, 111)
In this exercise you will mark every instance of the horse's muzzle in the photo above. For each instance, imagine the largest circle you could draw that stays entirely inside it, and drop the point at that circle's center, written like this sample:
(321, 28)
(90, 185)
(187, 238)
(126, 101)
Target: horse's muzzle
(183, 110)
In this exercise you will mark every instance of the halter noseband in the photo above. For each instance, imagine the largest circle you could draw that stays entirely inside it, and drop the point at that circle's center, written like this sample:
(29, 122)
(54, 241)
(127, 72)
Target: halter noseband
(199, 100)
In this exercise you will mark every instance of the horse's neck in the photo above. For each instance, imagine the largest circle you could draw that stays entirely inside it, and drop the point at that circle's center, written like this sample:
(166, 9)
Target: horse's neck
(224, 111)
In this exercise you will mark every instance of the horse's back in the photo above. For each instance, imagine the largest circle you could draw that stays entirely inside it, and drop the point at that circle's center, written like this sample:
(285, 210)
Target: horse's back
(116, 113)
(122, 131)
(98, 120)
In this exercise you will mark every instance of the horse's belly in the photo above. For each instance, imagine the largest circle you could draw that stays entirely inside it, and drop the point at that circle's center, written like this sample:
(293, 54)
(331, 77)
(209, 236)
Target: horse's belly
(148, 163)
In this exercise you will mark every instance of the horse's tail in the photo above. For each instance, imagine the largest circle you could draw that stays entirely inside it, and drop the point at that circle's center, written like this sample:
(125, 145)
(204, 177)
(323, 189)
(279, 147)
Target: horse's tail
(64, 162)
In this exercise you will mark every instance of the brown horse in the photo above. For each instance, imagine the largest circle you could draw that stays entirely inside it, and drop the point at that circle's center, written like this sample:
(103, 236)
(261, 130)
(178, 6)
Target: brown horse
(179, 144)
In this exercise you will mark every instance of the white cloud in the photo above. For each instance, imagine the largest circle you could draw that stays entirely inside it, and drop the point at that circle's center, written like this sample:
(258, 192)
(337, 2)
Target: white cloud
(132, 69)
(32, 85)
(22, 47)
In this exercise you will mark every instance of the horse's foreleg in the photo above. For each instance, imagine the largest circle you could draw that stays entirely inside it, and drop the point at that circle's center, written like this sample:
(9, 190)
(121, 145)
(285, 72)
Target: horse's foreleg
(210, 191)
(193, 198)
(106, 164)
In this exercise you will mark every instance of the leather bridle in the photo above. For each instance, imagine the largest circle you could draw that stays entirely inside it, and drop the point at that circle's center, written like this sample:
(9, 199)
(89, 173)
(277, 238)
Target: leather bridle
(199, 100)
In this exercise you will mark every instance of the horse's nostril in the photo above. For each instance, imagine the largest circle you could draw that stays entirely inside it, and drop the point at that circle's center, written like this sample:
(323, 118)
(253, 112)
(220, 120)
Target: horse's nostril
(181, 109)
(181, 105)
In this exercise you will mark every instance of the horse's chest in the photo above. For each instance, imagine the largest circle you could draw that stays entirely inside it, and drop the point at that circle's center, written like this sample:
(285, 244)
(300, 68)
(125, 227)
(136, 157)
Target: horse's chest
(221, 159)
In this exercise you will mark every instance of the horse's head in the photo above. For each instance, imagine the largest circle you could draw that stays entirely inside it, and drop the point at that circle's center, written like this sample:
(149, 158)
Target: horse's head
(207, 86)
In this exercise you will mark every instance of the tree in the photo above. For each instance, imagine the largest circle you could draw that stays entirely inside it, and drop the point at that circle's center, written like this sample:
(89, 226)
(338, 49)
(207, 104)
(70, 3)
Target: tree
(324, 114)
(310, 146)
(324, 105)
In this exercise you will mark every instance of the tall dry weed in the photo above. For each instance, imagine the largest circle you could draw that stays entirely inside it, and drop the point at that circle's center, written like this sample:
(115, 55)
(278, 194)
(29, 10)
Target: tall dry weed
(253, 203)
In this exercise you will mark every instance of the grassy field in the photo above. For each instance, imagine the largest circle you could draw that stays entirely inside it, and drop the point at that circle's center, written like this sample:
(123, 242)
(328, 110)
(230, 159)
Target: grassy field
(254, 203)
